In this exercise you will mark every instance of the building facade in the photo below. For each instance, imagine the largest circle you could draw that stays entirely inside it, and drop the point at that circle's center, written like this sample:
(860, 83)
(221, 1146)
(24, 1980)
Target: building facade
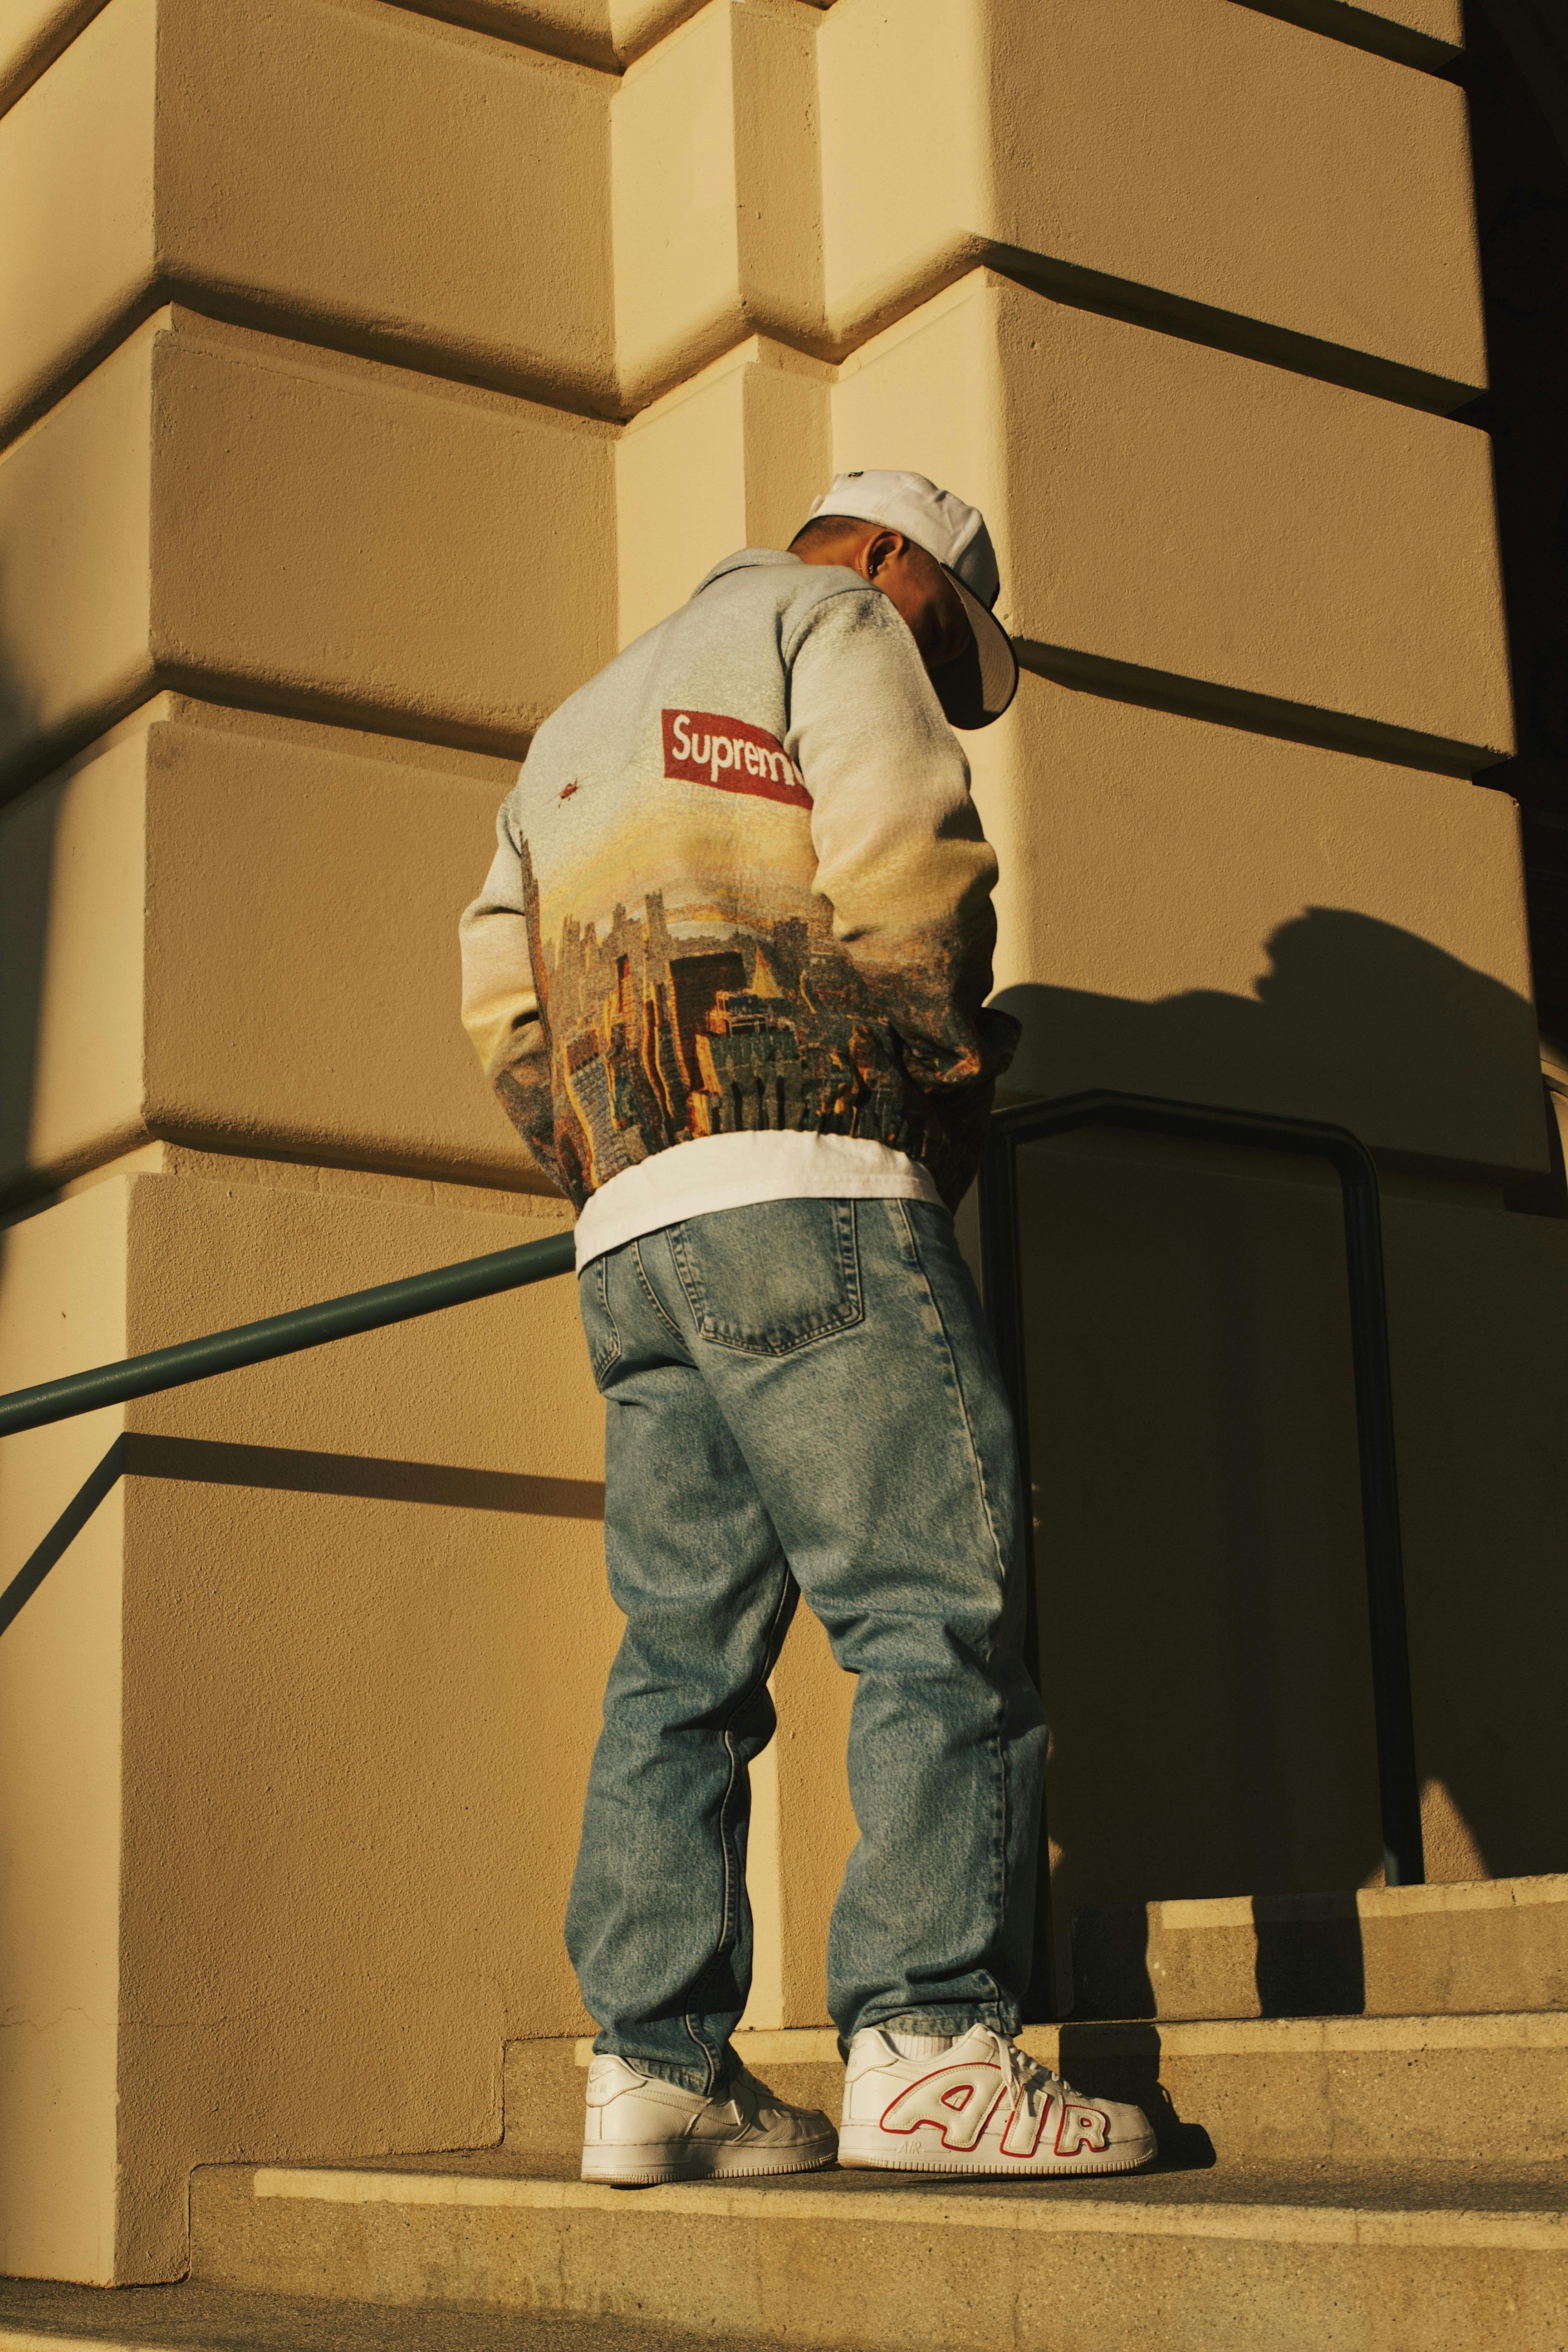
(370, 372)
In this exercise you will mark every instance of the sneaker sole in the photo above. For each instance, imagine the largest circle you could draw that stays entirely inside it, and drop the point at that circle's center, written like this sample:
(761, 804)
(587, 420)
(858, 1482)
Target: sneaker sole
(966, 2167)
(649, 2168)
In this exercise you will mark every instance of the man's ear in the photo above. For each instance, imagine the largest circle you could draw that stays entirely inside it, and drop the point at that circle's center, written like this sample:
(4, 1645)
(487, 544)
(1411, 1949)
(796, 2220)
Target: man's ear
(880, 549)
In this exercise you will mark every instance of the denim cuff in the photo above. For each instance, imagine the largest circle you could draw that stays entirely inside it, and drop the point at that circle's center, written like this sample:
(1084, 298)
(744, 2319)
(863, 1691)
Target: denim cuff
(684, 2078)
(999, 2019)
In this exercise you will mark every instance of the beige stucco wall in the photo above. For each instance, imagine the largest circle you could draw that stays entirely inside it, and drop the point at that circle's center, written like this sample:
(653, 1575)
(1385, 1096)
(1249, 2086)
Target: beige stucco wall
(296, 1733)
(407, 239)
(364, 380)
(730, 459)
(62, 1304)
(1203, 515)
(218, 956)
(717, 191)
(432, 1657)
(1221, 1592)
(603, 33)
(1139, 143)
(298, 528)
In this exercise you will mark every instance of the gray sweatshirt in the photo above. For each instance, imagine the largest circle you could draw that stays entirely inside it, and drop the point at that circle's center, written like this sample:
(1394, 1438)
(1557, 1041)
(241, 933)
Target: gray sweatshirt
(741, 888)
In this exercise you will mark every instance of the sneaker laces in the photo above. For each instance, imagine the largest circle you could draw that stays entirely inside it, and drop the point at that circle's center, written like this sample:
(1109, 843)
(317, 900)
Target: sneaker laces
(1029, 2083)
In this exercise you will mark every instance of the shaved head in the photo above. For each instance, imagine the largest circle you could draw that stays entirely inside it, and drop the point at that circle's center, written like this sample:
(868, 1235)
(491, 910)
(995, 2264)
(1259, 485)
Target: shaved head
(819, 541)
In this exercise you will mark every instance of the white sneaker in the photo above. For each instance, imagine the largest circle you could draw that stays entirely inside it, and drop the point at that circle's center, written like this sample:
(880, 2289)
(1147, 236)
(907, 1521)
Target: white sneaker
(978, 2105)
(641, 2129)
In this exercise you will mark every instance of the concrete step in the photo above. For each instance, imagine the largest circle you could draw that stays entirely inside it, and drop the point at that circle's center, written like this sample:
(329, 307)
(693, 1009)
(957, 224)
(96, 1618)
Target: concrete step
(1289, 2090)
(38, 2315)
(1227, 2259)
(1400, 1951)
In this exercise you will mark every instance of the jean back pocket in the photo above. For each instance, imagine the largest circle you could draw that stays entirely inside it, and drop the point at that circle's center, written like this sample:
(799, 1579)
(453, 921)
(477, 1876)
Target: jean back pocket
(773, 1277)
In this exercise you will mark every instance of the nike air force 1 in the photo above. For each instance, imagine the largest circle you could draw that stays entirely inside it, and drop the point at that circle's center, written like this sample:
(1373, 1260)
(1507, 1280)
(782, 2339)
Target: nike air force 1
(641, 2129)
(978, 2105)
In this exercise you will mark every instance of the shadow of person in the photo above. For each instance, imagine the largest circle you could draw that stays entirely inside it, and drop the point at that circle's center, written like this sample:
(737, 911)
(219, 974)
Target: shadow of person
(1354, 1021)
(1196, 1483)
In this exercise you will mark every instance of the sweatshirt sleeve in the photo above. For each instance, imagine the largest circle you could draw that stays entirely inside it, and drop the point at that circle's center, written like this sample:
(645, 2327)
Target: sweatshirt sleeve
(500, 1002)
(901, 855)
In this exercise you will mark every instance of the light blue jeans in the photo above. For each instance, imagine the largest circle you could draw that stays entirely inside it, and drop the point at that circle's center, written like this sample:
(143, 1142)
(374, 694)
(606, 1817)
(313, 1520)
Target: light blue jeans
(803, 1398)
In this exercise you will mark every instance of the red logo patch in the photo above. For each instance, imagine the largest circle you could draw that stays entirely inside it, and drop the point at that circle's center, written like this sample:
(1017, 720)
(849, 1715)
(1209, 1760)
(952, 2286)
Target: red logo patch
(702, 748)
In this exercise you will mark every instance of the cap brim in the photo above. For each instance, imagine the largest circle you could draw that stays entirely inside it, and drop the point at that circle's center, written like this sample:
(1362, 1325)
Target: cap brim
(998, 662)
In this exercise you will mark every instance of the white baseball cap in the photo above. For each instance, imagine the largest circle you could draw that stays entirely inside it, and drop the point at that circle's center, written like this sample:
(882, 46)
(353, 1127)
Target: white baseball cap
(956, 535)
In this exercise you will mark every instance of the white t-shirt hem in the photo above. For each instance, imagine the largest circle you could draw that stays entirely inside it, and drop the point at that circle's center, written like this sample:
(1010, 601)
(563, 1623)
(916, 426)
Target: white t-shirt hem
(738, 1171)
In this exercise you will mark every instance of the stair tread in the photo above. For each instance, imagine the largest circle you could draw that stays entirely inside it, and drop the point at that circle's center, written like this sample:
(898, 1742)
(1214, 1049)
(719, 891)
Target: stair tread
(1380, 2256)
(1349, 2032)
(1440, 2189)
(36, 2313)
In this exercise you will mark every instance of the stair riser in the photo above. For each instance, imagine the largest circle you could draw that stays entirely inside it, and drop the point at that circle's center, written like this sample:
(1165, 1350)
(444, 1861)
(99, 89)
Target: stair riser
(1258, 2281)
(1344, 2107)
(1348, 2106)
(1501, 1945)
(1504, 2103)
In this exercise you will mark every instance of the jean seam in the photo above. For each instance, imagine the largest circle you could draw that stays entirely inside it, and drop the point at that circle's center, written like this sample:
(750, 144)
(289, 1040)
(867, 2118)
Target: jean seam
(898, 1211)
(771, 1649)
(999, 1760)
(676, 1239)
(708, 2058)
(654, 1300)
(796, 1347)
(974, 1453)
(598, 1274)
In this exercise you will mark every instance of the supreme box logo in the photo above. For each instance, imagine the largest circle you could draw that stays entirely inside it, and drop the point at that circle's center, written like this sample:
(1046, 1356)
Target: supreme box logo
(702, 748)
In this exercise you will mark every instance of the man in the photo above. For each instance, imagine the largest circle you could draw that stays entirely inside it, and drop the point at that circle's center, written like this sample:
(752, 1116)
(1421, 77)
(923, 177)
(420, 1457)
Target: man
(728, 976)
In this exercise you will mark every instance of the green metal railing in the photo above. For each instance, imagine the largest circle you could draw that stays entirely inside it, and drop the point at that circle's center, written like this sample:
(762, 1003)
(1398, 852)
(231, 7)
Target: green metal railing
(286, 1335)
(230, 1352)
(1399, 1785)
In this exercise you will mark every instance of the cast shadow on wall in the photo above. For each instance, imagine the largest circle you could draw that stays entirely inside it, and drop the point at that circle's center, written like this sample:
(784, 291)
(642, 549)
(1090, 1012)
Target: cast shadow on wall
(1355, 1021)
(28, 863)
(1202, 1579)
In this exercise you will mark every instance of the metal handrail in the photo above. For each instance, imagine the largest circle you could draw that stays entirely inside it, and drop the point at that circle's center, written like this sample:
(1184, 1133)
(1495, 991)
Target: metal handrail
(286, 1335)
(1399, 1785)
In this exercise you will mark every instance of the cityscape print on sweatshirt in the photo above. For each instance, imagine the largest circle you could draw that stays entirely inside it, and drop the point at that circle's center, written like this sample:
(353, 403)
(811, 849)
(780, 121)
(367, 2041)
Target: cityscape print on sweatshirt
(659, 1032)
(728, 1014)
